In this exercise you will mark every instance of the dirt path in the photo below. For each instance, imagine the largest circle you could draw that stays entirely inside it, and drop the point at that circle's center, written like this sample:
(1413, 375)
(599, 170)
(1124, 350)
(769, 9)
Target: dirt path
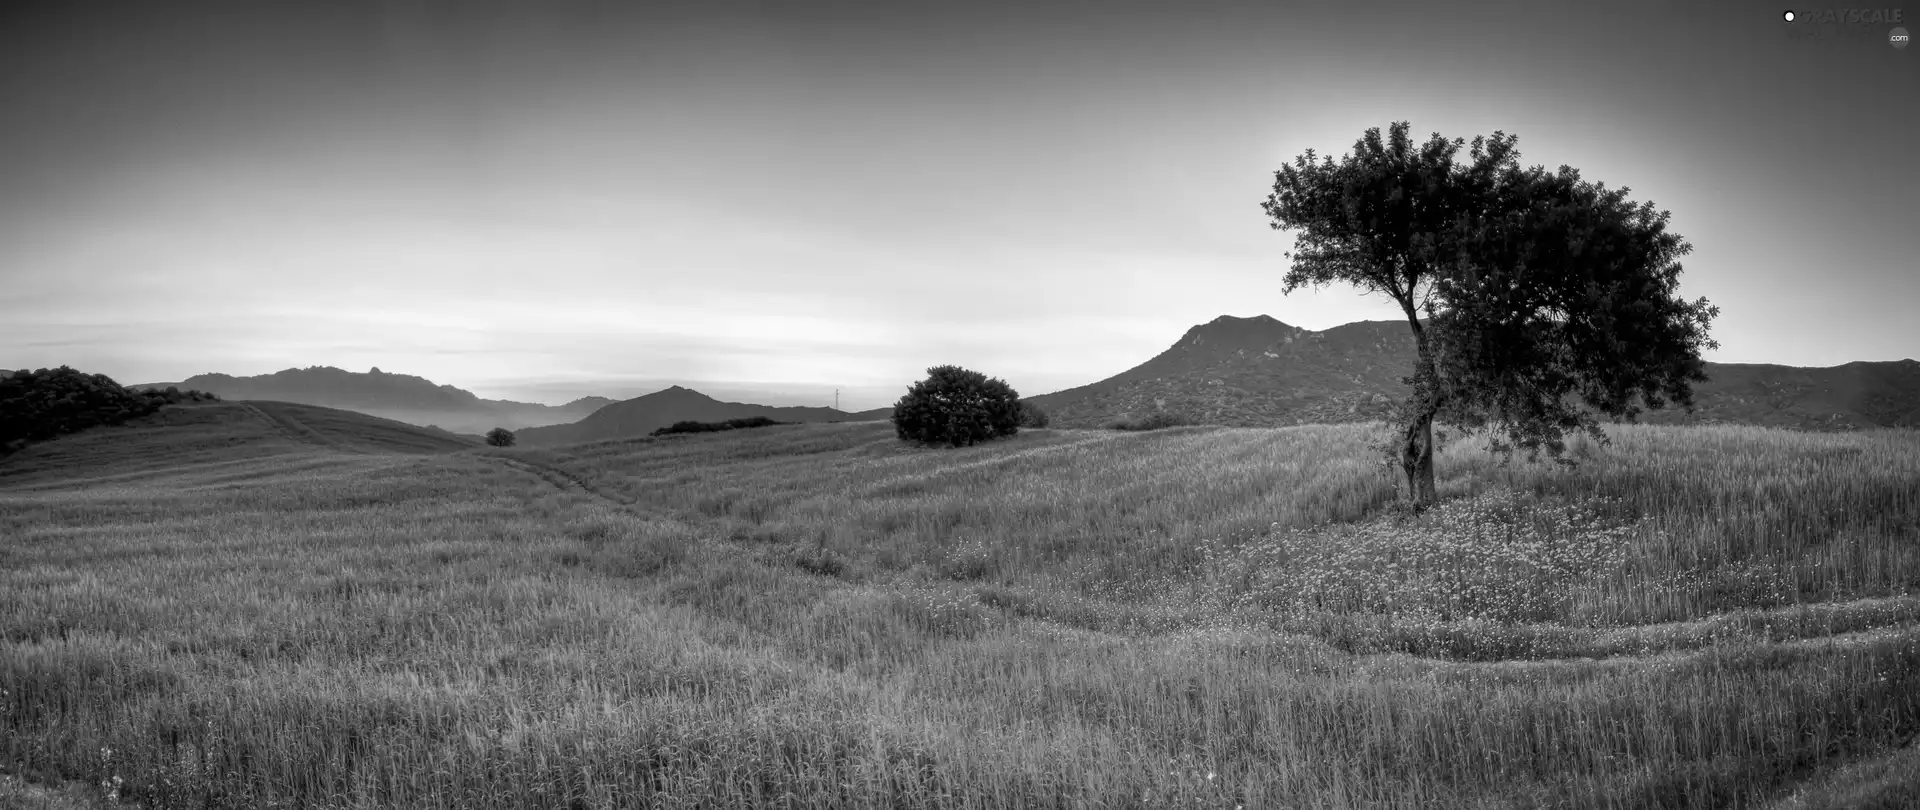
(293, 429)
(562, 479)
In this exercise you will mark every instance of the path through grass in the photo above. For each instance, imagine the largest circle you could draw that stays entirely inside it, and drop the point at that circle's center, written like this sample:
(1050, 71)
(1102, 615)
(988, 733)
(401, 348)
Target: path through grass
(816, 616)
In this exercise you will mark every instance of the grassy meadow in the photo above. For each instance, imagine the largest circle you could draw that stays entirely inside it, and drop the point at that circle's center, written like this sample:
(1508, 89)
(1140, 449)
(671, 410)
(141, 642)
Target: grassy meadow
(285, 608)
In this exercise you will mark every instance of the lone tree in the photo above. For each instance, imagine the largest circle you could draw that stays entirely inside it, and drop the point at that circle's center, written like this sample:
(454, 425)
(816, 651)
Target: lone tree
(1545, 297)
(955, 406)
(500, 437)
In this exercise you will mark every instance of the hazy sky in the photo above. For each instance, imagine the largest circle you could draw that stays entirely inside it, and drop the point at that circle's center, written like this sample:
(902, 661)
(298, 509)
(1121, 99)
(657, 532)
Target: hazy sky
(540, 200)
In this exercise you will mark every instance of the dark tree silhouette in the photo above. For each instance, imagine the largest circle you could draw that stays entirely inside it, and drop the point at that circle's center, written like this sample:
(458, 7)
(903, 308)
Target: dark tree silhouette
(955, 406)
(43, 404)
(1535, 298)
(693, 426)
(500, 437)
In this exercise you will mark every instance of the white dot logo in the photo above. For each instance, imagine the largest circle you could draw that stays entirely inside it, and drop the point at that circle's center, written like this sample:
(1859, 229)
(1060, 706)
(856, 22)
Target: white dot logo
(1897, 37)
(1788, 16)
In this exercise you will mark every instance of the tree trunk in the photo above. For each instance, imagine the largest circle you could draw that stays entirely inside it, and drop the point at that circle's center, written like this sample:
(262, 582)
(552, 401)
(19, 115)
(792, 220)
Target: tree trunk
(1416, 445)
(1416, 461)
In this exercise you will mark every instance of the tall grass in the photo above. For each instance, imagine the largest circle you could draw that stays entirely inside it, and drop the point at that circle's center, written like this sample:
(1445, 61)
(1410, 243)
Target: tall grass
(819, 616)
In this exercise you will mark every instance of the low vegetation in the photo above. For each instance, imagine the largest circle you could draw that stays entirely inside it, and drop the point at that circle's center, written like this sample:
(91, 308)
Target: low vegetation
(1033, 416)
(957, 407)
(690, 426)
(39, 405)
(1154, 420)
(825, 616)
(500, 437)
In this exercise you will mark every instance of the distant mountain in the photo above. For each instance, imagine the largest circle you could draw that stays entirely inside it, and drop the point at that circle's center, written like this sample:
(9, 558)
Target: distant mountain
(1259, 372)
(1249, 372)
(587, 404)
(1855, 395)
(400, 397)
(1252, 372)
(642, 415)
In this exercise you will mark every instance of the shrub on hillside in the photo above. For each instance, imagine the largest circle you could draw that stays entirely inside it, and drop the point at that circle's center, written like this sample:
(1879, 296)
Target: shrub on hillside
(690, 426)
(39, 405)
(500, 437)
(955, 406)
(1152, 421)
(1031, 416)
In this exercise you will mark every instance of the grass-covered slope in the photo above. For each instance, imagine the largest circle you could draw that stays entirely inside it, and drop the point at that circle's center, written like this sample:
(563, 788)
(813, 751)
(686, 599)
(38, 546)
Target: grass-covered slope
(819, 615)
(355, 432)
(202, 438)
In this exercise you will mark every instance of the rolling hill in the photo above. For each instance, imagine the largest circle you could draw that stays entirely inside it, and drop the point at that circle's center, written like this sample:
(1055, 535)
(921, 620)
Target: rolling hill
(400, 397)
(1854, 395)
(225, 435)
(1259, 372)
(641, 415)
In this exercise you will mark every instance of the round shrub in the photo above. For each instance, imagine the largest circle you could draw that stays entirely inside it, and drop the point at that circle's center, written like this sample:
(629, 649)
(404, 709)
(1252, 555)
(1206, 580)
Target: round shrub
(956, 407)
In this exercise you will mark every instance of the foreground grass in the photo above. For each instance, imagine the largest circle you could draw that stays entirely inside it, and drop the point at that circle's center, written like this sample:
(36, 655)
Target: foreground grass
(816, 616)
(1887, 782)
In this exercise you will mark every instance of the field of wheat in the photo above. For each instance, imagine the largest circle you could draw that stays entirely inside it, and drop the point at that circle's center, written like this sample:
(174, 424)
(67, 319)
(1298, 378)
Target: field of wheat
(820, 616)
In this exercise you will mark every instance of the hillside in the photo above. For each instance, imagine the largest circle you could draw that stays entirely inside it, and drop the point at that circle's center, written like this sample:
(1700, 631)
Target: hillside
(1259, 372)
(644, 414)
(36, 405)
(400, 397)
(1252, 372)
(1855, 395)
(224, 435)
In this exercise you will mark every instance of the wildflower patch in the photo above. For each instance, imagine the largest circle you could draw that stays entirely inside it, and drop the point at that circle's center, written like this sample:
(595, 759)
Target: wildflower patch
(1494, 557)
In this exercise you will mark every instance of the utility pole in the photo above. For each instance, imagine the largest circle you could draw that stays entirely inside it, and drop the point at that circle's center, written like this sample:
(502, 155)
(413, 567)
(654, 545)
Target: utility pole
(836, 399)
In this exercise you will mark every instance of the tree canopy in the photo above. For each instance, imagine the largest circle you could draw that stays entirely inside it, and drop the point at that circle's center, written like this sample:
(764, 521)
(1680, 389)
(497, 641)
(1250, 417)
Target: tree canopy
(957, 406)
(43, 404)
(1537, 299)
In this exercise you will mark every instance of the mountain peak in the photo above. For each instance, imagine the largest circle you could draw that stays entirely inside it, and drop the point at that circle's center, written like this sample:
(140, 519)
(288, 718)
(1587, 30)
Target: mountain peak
(1240, 332)
(1234, 319)
(679, 392)
(642, 414)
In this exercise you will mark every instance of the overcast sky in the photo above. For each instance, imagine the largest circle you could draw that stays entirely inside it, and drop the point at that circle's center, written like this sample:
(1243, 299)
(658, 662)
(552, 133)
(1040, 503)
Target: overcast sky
(541, 200)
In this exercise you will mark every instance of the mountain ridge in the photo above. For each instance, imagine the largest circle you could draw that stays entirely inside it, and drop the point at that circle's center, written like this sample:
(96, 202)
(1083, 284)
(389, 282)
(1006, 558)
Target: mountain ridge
(1260, 372)
(400, 397)
(643, 414)
(1252, 371)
